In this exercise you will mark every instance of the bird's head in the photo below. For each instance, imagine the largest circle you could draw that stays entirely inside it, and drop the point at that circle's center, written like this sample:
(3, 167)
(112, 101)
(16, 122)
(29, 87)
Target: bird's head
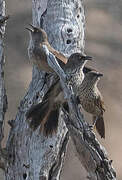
(38, 34)
(87, 69)
(93, 76)
(78, 60)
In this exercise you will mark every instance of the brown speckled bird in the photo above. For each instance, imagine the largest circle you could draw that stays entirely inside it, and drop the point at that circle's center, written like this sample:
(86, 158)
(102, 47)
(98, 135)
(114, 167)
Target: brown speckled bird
(46, 113)
(91, 100)
(39, 38)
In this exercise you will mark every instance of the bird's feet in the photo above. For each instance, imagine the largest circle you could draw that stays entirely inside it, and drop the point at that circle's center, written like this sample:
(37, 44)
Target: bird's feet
(92, 126)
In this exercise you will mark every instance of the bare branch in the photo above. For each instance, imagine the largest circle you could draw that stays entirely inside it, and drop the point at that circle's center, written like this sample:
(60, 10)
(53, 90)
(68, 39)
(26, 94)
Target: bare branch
(3, 97)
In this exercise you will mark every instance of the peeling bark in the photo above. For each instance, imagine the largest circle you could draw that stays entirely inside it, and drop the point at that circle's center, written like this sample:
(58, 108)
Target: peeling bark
(30, 154)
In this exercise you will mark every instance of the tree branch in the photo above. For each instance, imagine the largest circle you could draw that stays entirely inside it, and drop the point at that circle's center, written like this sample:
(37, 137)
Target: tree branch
(90, 153)
(3, 97)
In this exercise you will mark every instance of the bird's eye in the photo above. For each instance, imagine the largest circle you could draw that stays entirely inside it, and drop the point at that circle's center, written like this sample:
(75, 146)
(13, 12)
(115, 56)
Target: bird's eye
(36, 30)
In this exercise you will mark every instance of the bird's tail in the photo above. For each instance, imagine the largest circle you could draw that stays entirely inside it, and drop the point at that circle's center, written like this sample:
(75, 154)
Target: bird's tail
(41, 115)
(45, 114)
(51, 123)
(36, 114)
(100, 126)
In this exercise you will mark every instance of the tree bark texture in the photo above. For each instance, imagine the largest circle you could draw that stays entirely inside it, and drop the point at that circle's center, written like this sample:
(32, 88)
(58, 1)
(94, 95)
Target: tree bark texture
(3, 97)
(30, 154)
(89, 151)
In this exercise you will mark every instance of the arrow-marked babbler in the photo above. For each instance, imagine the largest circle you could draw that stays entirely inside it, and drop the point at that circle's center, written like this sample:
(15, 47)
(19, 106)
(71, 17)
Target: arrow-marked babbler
(46, 113)
(39, 38)
(91, 100)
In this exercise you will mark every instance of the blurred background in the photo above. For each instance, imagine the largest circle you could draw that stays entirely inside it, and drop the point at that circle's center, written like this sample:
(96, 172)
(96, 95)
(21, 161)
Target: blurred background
(103, 42)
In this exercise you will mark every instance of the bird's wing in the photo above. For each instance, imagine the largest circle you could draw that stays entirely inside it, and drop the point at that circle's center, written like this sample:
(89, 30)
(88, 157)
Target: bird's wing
(58, 55)
(99, 102)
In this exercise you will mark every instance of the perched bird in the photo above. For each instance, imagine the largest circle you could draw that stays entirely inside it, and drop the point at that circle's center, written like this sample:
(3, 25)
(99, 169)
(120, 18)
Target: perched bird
(91, 100)
(39, 57)
(46, 113)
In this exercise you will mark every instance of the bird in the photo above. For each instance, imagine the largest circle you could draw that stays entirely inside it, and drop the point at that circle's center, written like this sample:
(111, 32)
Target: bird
(39, 57)
(46, 113)
(92, 101)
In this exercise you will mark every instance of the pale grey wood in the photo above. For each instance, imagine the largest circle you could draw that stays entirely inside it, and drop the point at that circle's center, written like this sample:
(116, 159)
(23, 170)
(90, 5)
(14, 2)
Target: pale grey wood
(89, 151)
(31, 156)
(3, 97)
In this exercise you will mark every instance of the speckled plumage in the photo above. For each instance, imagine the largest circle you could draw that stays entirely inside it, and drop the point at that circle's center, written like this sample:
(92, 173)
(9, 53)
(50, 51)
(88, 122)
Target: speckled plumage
(54, 97)
(91, 100)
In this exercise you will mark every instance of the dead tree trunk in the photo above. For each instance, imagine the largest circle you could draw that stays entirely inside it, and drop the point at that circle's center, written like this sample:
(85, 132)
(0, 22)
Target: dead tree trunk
(29, 155)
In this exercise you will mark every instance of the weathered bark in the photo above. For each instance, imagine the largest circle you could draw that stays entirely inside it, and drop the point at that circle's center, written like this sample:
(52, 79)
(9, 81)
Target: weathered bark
(30, 154)
(3, 97)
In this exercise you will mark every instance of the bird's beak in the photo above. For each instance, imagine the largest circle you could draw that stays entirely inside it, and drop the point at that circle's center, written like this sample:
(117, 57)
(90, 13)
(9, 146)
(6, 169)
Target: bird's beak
(32, 26)
(88, 58)
(99, 74)
(30, 29)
